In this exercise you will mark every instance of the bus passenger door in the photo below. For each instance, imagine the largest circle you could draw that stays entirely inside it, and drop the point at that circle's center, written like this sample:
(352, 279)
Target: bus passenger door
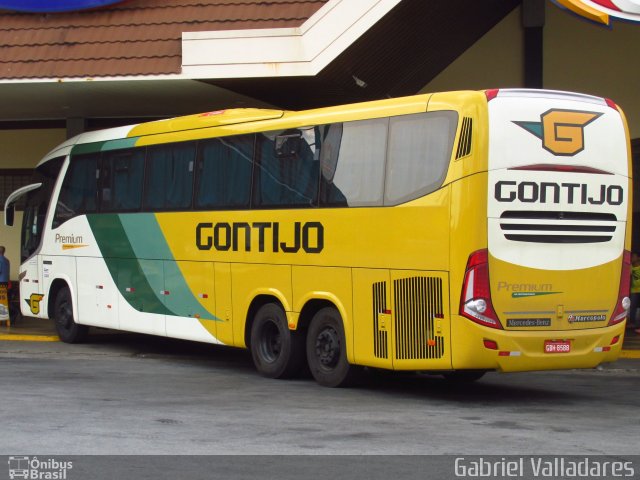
(373, 332)
(31, 293)
(421, 320)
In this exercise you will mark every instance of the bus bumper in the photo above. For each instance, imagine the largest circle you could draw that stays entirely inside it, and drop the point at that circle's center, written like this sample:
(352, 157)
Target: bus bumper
(479, 347)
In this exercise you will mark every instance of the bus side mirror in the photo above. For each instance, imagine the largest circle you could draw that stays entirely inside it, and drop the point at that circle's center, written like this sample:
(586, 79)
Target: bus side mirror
(9, 214)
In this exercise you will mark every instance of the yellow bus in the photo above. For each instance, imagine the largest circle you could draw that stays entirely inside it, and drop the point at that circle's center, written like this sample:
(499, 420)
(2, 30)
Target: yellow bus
(453, 233)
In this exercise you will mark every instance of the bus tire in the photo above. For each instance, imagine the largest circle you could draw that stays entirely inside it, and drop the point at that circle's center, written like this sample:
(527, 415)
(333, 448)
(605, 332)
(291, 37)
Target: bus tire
(326, 350)
(463, 376)
(277, 351)
(68, 330)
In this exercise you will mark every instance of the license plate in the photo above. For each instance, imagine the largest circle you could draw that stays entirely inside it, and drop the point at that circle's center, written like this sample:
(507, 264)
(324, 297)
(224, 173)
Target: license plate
(557, 346)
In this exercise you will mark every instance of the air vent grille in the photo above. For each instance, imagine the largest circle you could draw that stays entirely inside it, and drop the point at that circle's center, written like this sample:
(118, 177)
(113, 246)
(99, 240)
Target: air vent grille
(466, 135)
(557, 227)
(418, 302)
(380, 346)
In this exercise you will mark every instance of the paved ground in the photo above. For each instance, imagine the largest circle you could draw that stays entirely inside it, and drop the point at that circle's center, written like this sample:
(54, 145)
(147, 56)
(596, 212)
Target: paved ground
(631, 346)
(123, 394)
(131, 395)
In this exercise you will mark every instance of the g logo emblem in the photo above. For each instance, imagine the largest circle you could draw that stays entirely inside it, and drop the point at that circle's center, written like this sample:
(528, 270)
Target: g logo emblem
(561, 131)
(34, 302)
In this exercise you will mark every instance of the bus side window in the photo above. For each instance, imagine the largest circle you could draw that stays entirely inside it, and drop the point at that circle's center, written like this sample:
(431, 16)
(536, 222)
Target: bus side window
(353, 158)
(224, 172)
(331, 136)
(169, 179)
(419, 154)
(122, 176)
(79, 191)
(286, 169)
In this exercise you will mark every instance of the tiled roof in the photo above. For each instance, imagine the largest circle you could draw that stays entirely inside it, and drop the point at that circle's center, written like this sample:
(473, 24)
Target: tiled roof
(136, 37)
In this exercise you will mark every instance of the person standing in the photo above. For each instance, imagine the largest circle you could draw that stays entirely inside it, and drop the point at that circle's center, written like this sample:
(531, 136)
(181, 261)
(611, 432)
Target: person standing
(5, 267)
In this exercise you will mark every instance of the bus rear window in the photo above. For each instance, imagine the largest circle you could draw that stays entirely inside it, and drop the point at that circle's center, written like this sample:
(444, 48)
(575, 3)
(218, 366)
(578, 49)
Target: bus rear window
(385, 161)
(418, 154)
(352, 163)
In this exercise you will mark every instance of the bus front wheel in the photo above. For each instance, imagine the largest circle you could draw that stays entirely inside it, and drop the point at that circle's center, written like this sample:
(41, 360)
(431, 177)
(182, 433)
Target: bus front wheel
(68, 330)
(326, 350)
(277, 351)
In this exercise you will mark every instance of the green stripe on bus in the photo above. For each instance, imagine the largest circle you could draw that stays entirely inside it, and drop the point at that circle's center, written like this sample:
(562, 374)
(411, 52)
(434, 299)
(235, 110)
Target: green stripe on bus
(137, 280)
(86, 148)
(147, 241)
(104, 146)
(139, 260)
(119, 144)
(144, 236)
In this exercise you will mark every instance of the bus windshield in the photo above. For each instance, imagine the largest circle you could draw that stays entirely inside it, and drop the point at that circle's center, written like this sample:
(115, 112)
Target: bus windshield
(36, 205)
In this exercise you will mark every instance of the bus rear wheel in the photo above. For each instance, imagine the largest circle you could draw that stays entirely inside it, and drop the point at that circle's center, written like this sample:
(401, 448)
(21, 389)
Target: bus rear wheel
(68, 330)
(326, 350)
(277, 351)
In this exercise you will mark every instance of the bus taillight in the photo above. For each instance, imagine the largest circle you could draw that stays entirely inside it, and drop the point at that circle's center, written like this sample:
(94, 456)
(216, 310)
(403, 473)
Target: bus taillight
(611, 103)
(622, 305)
(475, 302)
(491, 94)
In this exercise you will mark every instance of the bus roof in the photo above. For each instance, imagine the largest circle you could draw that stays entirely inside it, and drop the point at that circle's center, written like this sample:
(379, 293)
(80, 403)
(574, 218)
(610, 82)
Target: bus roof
(248, 120)
(226, 122)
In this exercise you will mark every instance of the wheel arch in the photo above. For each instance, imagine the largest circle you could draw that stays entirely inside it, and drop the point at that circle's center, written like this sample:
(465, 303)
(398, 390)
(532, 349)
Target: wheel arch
(316, 302)
(55, 287)
(311, 306)
(255, 305)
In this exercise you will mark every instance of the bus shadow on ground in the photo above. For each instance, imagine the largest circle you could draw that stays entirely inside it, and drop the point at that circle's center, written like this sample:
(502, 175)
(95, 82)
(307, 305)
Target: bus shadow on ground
(151, 346)
(494, 388)
(506, 389)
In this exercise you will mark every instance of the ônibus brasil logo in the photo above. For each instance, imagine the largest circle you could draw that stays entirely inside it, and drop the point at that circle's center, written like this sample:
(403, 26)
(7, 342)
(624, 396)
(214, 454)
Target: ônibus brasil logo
(561, 131)
(38, 469)
(602, 11)
(54, 6)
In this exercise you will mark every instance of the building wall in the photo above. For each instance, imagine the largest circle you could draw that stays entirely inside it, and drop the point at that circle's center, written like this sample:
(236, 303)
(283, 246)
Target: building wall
(22, 149)
(25, 148)
(593, 59)
(494, 61)
(578, 56)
